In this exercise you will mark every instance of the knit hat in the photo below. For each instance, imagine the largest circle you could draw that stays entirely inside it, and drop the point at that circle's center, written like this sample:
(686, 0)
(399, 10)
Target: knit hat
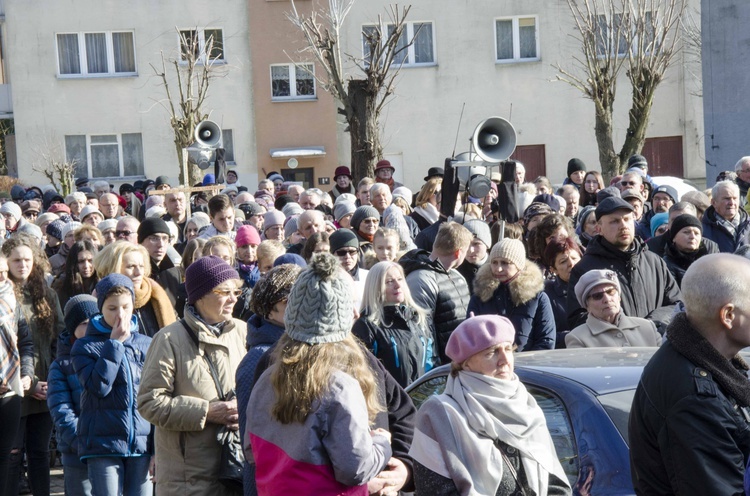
(481, 230)
(54, 229)
(11, 208)
(476, 334)
(247, 235)
(535, 209)
(292, 208)
(79, 308)
(362, 213)
(341, 239)
(290, 258)
(346, 197)
(583, 214)
(638, 161)
(31, 229)
(511, 250)
(342, 171)
(612, 204)
(205, 274)
(342, 209)
(17, 192)
(608, 192)
(251, 208)
(57, 208)
(290, 227)
(275, 177)
(69, 227)
(88, 210)
(161, 181)
(107, 225)
(75, 196)
(152, 225)
(668, 190)
(657, 221)
(405, 192)
(320, 308)
(548, 200)
(575, 165)
(110, 281)
(592, 279)
(272, 288)
(682, 221)
(273, 218)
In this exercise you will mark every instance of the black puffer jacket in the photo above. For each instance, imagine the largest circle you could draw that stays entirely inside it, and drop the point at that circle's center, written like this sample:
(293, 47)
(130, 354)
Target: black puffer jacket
(442, 292)
(647, 288)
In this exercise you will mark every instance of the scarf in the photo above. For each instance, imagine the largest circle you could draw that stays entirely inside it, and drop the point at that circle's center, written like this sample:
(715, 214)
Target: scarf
(430, 213)
(390, 182)
(483, 410)
(731, 375)
(150, 291)
(366, 237)
(10, 360)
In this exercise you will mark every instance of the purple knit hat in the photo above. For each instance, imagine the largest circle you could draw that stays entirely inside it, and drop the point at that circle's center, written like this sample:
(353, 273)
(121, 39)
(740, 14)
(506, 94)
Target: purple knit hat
(205, 274)
(478, 333)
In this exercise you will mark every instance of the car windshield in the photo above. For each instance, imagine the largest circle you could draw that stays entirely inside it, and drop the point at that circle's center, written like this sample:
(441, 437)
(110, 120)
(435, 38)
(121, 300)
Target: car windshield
(617, 405)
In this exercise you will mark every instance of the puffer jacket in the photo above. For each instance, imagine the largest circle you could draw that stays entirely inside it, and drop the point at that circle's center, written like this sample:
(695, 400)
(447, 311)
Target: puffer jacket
(647, 288)
(727, 241)
(522, 301)
(64, 401)
(443, 292)
(175, 393)
(406, 349)
(110, 373)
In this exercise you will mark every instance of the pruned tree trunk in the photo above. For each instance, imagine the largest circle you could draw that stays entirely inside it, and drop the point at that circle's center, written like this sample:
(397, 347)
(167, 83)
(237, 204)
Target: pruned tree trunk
(363, 128)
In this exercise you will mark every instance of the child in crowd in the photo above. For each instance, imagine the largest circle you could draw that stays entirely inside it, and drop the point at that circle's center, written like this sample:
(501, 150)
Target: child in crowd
(108, 361)
(386, 246)
(267, 253)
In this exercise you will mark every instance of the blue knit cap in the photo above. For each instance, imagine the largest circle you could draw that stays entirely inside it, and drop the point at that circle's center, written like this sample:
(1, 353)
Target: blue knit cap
(79, 308)
(107, 283)
(290, 258)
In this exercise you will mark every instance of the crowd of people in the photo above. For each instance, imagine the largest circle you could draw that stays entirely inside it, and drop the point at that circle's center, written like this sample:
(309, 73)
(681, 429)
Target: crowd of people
(158, 332)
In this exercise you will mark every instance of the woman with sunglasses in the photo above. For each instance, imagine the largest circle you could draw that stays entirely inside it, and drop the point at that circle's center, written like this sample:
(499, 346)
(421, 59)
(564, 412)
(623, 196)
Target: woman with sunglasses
(598, 291)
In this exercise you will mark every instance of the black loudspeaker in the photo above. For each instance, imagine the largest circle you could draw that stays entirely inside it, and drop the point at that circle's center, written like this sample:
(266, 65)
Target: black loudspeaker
(220, 166)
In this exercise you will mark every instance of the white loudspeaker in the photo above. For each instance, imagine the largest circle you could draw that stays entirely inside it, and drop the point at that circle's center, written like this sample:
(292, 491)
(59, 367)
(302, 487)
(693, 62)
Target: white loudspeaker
(494, 139)
(208, 134)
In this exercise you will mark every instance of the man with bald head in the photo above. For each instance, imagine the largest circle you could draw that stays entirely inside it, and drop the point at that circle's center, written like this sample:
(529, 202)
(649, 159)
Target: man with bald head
(109, 206)
(689, 424)
(295, 190)
(308, 223)
(127, 229)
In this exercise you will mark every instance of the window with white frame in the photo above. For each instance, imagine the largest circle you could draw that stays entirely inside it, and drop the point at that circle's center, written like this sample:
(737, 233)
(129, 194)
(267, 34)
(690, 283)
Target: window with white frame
(608, 30)
(202, 43)
(292, 82)
(106, 53)
(106, 155)
(420, 52)
(516, 39)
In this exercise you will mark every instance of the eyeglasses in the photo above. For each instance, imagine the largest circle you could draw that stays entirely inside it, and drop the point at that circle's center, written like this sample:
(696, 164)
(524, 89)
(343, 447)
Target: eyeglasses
(598, 296)
(226, 293)
(346, 253)
(29, 215)
(120, 234)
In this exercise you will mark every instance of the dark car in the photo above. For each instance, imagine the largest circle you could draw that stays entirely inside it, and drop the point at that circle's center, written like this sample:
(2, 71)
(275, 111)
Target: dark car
(586, 396)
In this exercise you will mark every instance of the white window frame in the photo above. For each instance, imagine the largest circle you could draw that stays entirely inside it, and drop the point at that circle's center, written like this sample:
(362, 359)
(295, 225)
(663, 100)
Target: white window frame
(517, 39)
(120, 156)
(202, 45)
(293, 68)
(612, 42)
(410, 56)
(82, 61)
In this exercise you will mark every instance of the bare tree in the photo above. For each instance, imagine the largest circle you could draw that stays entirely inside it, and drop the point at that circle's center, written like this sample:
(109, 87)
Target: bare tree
(7, 126)
(50, 162)
(361, 100)
(186, 84)
(640, 36)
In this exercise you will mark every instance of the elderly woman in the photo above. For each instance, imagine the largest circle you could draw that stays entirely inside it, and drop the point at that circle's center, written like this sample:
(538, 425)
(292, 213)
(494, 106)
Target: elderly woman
(598, 291)
(485, 434)
(685, 244)
(178, 394)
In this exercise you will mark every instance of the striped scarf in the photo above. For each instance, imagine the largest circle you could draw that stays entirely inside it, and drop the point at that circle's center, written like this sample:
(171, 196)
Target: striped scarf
(10, 361)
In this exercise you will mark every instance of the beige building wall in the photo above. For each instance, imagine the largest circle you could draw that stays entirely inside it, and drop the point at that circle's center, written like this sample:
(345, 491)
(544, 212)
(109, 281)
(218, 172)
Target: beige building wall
(421, 121)
(287, 123)
(48, 107)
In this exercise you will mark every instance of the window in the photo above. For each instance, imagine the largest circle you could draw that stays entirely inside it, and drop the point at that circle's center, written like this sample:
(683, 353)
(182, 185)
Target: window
(109, 53)
(292, 82)
(106, 155)
(198, 41)
(516, 39)
(420, 52)
(607, 31)
(228, 142)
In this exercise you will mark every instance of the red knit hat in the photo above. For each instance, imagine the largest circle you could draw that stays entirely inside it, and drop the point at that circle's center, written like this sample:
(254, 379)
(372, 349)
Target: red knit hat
(247, 235)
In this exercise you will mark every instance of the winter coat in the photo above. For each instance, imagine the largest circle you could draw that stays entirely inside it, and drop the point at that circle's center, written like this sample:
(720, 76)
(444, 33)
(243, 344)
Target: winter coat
(110, 374)
(59, 260)
(176, 390)
(557, 291)
(627, 331)
(444, 292)
(331, 451)
(713, 230)
(678, 262)
(647, 288)
(24, 344)
(522, 301)
(406, 349)
(64, 401)
(469, 271)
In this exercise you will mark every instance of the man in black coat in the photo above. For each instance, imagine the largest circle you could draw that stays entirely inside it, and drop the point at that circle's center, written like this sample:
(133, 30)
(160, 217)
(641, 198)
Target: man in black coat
(689, 424)
(648, 289)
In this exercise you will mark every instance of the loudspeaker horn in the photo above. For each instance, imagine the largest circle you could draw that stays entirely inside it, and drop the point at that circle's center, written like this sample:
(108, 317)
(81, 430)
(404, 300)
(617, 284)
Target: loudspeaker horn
(494, 139)
(208, 134)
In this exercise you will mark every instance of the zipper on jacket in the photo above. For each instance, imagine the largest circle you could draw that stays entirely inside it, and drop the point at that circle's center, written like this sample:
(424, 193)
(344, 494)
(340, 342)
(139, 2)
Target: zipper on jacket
(129, 376)
(395, 351)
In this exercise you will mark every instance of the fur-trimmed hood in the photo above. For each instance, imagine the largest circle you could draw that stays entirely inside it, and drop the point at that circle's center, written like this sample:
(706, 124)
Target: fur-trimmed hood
(525, 287)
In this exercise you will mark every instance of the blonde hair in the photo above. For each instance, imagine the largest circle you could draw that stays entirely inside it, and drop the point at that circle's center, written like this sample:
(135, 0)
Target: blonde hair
(373, 298)
(401, 202)
(387, 232)
(109, 260)
(302, 373)
(450, 238)
(90, 230)
(270, 248)
(217, 241)
(428, 189)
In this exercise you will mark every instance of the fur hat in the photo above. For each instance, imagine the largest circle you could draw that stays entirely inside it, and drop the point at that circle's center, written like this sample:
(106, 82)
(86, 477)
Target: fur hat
(320, 307)
(511, 250)
(362, 213)
(79, 308)
(273, 287)
(592, 279)
(205, 274)
(478, 333)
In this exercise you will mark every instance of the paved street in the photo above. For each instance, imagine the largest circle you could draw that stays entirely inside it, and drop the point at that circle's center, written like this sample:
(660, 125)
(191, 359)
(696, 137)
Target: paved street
(56, 482)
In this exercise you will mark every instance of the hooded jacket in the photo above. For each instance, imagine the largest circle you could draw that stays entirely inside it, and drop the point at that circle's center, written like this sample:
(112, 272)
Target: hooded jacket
(443, 292)
(713, 230)
(110, 374)
(522, 301)
(647, 288)
(64, 401)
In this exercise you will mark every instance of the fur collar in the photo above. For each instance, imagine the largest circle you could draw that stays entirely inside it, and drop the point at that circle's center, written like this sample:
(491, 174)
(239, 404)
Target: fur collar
(524, 288)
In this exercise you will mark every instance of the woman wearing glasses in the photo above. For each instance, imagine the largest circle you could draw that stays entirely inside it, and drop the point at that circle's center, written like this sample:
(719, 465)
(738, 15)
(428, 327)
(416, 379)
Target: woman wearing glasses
(598, 291)
(178, 393)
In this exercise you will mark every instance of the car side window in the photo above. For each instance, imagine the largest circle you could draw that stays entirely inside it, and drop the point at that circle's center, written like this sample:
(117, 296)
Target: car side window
(561, 430)
(429, 388)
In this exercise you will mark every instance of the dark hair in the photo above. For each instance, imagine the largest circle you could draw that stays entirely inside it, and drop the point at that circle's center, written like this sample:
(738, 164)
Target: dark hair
(513, 230)
(538, 236)
(72, 283)
(555, 248)
(586, 197)
(218, 204)
(312, 242)
(195, 244)
(281, 201)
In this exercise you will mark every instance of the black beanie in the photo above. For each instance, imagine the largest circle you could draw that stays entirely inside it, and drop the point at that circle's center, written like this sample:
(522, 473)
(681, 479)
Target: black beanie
(682, 221)
(575, 165)
(343, 238)
(152, 225)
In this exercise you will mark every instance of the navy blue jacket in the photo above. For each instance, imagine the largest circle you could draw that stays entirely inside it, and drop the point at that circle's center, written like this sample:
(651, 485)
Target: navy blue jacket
(110, 374)
(64, 400)
(728, 242)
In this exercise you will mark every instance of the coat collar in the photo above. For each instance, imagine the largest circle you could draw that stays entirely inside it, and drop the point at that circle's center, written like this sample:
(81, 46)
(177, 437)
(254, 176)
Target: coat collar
(597, 326)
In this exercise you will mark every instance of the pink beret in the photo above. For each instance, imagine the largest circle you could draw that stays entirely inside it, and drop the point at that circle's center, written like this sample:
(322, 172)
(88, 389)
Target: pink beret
(476, 334)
